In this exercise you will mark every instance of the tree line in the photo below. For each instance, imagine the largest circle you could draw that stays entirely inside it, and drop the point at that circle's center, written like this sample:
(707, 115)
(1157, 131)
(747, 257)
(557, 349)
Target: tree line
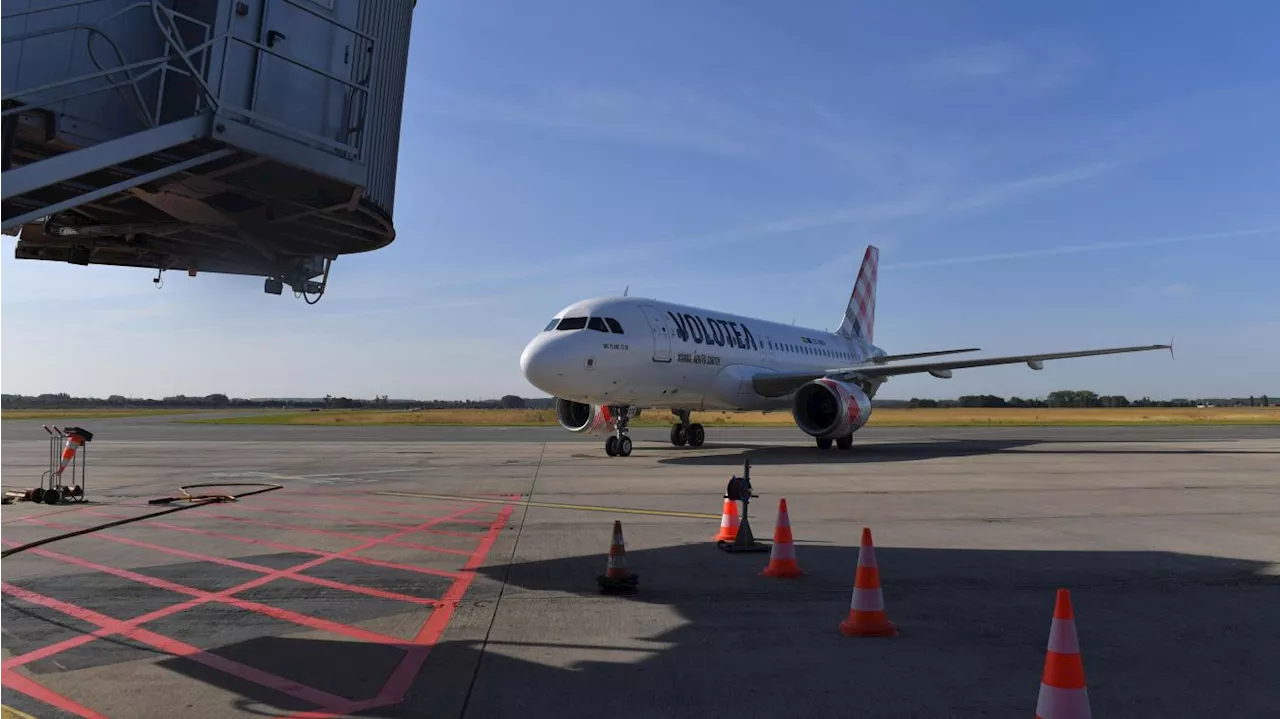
(1086, 399)
(62, 400)
(1060, 398)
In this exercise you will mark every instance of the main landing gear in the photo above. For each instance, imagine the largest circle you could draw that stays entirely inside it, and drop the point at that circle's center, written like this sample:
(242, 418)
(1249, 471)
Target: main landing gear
(619, 444)
(844, 442)
(684, 433)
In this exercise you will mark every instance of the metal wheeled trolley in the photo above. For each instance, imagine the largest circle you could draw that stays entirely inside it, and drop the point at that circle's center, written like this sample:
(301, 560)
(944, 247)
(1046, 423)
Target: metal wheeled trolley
(68, 449)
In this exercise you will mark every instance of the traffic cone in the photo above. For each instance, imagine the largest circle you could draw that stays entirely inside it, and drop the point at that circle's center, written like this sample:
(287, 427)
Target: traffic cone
(1062, 687)
(782, 556)
(729, 520)
(866, 610)
(74, 442)
(618, 578)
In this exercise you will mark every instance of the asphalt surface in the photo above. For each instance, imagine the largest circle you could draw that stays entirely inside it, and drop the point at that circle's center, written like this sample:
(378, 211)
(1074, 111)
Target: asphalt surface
(451, 572)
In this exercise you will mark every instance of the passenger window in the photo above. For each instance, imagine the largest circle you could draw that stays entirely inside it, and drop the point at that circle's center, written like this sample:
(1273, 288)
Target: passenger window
(597, 324)
(572, 323)
(613, 325)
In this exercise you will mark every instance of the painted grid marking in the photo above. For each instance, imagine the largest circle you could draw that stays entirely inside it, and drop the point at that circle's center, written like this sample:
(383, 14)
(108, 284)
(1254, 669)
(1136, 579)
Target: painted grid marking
(393, 690)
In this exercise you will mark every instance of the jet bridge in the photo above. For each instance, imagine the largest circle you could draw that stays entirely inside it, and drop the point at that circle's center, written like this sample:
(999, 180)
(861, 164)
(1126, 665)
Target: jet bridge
(250, 137)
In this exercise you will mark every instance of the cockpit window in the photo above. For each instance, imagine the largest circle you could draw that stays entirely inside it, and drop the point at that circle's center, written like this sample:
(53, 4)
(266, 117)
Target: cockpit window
(551, 325)
(613, 325)
(597, 324)
(572, 323)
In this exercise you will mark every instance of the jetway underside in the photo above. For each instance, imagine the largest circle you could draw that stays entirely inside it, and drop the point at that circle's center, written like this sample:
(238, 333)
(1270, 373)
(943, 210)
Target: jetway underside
(260, 138)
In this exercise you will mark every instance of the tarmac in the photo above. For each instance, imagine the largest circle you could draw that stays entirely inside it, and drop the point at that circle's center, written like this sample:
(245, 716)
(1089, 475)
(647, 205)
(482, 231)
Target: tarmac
(451, 572)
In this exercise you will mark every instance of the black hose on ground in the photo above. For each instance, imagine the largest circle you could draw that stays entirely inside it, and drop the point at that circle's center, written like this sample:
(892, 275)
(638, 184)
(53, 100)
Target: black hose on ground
(196, 501)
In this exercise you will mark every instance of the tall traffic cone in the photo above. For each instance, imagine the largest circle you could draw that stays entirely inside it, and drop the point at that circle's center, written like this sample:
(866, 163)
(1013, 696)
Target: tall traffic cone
(617, 578)
(729, 520)
(782, 556)
(866, 610)
(74, 442)
(1062, 687)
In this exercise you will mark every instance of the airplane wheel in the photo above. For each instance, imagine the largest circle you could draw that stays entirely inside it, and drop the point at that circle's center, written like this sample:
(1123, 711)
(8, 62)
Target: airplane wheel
(611, 446)
(624, 447)
(697, 435)
(845, 442)
(678, 436)
(824, 444)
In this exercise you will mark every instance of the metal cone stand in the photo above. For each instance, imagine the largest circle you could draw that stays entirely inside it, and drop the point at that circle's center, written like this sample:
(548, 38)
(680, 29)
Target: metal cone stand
(739, 490)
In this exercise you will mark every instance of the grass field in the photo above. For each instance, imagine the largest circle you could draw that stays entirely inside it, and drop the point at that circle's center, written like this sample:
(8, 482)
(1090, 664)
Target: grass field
(60, 414)
(880, 418)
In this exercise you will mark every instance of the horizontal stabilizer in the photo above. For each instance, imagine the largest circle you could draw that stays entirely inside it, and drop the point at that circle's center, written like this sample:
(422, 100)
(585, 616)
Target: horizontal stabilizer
(918, 355)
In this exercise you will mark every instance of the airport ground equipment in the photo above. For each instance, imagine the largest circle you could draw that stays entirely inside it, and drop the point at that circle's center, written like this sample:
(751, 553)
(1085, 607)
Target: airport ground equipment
(249, 137)
(68, 449)
(739, 489)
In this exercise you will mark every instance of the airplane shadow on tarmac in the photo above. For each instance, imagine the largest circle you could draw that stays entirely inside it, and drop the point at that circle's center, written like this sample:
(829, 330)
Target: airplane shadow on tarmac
(767, 454)
(1162, 634)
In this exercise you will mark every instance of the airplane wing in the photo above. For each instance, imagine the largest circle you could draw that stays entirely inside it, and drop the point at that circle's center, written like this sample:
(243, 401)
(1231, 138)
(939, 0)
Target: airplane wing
(780, 384)
(917, 355)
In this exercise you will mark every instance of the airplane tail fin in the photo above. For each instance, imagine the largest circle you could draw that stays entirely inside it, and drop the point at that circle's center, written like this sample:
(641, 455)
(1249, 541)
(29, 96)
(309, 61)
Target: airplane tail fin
(860, 315)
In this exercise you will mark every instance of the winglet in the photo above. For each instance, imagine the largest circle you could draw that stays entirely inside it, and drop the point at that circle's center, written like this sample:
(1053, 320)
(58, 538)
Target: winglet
(1171, 339)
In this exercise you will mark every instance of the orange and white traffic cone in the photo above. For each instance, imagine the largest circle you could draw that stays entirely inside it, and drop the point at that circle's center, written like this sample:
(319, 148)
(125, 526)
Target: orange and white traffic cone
(1062, 688)
(782, 555)
(729, 520)
(866, 610)
(618, 578)
(74, 442)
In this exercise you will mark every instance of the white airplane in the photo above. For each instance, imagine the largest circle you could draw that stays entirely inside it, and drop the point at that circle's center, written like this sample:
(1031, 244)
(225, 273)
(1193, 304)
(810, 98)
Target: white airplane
(605, 359)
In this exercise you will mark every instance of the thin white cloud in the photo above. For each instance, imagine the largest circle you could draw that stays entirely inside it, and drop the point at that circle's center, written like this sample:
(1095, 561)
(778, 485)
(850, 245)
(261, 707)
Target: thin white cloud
(874, 214)
(1077, 249)
(1032, 63)
(1177, 288)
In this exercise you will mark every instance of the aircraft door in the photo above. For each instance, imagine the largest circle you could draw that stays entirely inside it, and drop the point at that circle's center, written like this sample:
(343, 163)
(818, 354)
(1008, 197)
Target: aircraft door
(661, 333)
(767, 346)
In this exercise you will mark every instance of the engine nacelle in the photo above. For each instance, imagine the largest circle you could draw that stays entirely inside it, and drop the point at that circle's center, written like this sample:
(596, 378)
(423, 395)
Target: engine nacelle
(587, 419)
(828, 409)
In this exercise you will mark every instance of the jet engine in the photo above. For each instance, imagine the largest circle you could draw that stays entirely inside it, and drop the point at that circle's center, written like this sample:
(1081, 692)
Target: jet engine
(830, 409)
(586, 418)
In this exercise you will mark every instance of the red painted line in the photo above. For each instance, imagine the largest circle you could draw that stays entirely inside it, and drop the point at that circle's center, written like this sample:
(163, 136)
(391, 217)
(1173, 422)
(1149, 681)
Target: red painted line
(341, 501)
(305, 550)
(39, 692)
(402, 677)
(181, 649)
(348, 504)
(52, 649)
(267, 610)
(328, 583)
(324, 517)
(333, 533)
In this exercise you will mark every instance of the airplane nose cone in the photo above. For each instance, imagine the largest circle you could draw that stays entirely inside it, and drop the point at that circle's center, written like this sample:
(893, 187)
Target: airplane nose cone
(538, 364)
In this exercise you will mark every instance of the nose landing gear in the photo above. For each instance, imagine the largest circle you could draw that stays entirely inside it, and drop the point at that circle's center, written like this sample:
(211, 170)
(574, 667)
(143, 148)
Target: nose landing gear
(619, 444)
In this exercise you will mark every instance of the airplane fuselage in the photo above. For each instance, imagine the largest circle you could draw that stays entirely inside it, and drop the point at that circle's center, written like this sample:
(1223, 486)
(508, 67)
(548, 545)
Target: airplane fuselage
(607, 359)
(676, 356)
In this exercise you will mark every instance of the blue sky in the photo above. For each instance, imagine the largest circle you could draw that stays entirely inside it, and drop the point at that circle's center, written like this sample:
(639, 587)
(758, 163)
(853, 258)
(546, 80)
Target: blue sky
(1038, 177)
